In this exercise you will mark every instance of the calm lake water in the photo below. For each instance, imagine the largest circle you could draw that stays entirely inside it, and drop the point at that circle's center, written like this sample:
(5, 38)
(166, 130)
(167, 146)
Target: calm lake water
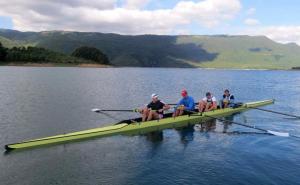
(38, 102)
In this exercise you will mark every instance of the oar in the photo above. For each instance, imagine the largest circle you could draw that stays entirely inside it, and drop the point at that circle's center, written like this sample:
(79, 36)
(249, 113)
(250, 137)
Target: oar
(102, 111)
(176, 103)
(275, 133)
(114, 110)
(275, 112)
(281, 134)
(267, 110)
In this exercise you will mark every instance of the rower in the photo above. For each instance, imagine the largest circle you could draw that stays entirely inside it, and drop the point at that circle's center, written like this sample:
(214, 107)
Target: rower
(154, 110)
(208, 103)
(185, 105)
(227, 99)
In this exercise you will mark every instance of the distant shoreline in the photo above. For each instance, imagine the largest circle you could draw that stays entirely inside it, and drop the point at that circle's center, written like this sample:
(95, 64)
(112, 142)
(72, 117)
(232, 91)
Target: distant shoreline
(91, 65)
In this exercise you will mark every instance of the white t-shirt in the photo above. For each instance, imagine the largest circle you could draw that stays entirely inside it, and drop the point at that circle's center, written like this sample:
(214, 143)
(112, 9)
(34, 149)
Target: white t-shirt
(213, 99)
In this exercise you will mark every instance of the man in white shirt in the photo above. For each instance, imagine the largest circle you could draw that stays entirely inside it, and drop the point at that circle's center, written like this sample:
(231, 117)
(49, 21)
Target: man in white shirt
(208, 103)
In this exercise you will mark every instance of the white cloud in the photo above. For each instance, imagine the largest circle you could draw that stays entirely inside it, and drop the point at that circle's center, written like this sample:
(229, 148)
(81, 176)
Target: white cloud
(283, 34)
(251, 22)
(107, 16)
(251, 11)
(136, 4)
(208, 13)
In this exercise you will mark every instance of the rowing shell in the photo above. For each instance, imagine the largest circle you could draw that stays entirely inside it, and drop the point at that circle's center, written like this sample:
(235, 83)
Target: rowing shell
(135, 125)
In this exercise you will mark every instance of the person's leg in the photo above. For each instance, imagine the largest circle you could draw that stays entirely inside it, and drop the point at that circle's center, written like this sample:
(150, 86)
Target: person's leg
(180, 112)
(208, 106)
(152, 115)
(145, 114)
(201, 106)
(175, 114)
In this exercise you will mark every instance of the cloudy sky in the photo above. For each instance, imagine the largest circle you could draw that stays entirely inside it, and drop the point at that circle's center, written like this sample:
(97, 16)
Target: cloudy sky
(278, 19)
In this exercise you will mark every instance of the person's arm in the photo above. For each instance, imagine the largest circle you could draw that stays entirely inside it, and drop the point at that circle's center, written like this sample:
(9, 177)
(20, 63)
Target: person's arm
(214, 104)
(165, 107)
(221, 103)
(231, 99)
(177, 105)
(141, 110)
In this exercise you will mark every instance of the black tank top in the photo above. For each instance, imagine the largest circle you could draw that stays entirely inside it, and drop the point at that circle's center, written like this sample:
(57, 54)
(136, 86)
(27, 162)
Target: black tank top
(155, 106)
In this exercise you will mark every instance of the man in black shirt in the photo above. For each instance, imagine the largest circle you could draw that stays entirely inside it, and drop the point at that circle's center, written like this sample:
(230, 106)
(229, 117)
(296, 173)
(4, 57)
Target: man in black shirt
(154, 110)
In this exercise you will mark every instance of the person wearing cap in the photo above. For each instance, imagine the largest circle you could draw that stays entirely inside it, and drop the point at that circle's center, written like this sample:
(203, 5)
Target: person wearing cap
(227, 99)
(154, 110)
(185, 105)
(208, 103)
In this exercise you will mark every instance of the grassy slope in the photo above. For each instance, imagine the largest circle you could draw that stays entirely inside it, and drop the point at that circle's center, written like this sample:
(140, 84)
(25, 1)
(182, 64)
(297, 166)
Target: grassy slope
(8, 43)
(234, 52)
(169, 51)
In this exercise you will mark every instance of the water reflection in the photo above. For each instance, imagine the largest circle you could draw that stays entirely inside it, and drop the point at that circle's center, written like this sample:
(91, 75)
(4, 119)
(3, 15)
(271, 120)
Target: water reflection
(207, 126)
(186, 134)
(155, 137)
(226, 124)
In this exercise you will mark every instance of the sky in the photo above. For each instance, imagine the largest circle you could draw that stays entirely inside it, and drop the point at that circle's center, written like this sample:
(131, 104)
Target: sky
(277, 19)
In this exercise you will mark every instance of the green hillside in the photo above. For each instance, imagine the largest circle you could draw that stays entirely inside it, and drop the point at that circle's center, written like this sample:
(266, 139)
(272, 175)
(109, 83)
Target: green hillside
(246, 52)
(220, 51)
(9, 43)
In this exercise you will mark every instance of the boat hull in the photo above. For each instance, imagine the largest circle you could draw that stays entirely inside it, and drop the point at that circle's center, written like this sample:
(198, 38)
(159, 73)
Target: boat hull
(137, 127)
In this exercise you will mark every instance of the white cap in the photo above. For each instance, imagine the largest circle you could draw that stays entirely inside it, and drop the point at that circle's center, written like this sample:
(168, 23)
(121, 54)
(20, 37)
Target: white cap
(154, 95)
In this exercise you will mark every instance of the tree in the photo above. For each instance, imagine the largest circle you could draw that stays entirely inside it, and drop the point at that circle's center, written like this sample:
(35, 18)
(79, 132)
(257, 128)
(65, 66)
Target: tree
(91, 53)
(3, 52)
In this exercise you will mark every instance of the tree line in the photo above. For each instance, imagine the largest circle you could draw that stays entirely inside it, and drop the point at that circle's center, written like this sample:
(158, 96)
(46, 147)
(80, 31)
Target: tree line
(41, 55)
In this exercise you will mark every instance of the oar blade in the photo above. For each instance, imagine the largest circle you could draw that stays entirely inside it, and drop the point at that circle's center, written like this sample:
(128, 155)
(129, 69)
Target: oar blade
(96, 110)
(281, 134)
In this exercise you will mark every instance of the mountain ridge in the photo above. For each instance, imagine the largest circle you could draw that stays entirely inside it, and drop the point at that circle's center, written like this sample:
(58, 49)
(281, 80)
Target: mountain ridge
(211, 51)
